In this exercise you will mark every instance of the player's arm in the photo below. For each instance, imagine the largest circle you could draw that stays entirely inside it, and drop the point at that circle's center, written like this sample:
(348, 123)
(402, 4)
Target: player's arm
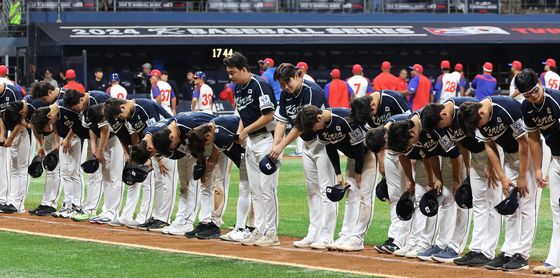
(156, 94)
(173, 103)
(466, 157)
(494, 159)
(456, 172)
(332, 152)
(104, 137)
(407, 168)
(434, 168)
(535, 148)
(93, 142)
(67, 142)
(381, 158)
(263, 120)
(17, 129)
(359, 162)
(523, 165)
(2, 130)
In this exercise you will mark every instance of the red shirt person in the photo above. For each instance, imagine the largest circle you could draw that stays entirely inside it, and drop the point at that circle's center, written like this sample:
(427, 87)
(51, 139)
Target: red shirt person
(72, 83)
(338, 92)
(385, 80)
(419, 88)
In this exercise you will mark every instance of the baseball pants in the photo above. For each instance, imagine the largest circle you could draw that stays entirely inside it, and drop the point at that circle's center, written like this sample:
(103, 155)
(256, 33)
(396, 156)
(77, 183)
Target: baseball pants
(521, 226)
(423, 227)
(4, 174)
(53, 181)
(165, 189)
(94, 186)
(207, 191)
(360, 202)
(189, 192)
(244, 198)
(220, 179)
(453, 221)
(396, 184)
(71, 174)
(319, 174)
(554, 183)
(486, 220)
(20, 153)
(112, 178)
(263, 188)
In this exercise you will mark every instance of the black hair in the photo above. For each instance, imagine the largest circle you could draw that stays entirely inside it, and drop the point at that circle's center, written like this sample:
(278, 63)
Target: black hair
(98, 69)
(47, 69)
(113, 108)
(398, 135)
(468, 115)
(196, 139)
(161, 141)
(72, 97)
(95, 113)
(360, 111)
(40, 119)
(306, 118)
(164, 72)
(375, 139)
(11, 116)
(285, 71)
(431, 116)
(40, 89)
(139, 152)
(236, 60)
(552, 68)
(526, 80)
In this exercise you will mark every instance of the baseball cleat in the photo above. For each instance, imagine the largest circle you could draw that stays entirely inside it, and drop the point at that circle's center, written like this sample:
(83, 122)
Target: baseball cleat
(144, 226)
(427, 254)
(414, 251)
(517, 262)
(351, 245)
(267, 241)
(334, 246)
(403, 251)
(199, 228)
(103, 220)
(210, 232)
(319, 245)
(304, 243)
(236, 235)
(556, 272)
(498, 262)
(250, 241)
(447, 255)
(157, 226)
(543, 269)
(390, 248)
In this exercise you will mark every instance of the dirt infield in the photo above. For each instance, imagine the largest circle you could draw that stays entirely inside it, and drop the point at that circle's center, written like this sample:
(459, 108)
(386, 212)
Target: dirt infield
(365, 262)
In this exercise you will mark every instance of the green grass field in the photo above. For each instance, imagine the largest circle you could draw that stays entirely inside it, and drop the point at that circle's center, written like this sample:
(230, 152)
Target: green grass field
(293, 222)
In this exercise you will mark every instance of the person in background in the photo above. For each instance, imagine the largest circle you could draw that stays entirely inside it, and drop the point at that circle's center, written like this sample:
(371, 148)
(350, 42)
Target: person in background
(203, 94)
(97, 84)
(227, 93)
(463, 83)
(549, 78)
(162, 93)
(360, 85)
(48, 77)
(419, 88)
(188, 87)
(142, 83)
(516, 68)
(402, 82)
(446, 84)
(268, 70)
(72, 83)
(338, 92)
(116, 90)
(63, 81)
(304, 68)
(484, 84)
(385, 80)
(165, 77)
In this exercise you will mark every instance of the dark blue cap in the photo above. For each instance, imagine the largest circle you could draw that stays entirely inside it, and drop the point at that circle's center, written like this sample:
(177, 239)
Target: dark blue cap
(509, 205)
(336, 193)
(268, 165)
(429, 204)
(381, 190)
(405, 206)
(463, 196)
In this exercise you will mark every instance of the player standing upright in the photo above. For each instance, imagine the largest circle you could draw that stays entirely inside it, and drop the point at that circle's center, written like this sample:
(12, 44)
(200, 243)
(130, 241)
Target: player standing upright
(360, 85)
(516, 68)
(162, 92)
(419, 88)
(385, 80)
(549, 78)
(447, 83)
(202, 95)
(116, 90)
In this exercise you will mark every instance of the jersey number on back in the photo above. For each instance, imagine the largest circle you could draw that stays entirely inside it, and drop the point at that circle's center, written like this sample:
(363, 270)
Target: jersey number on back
(553, 84)
(450, 86)
(165, 95)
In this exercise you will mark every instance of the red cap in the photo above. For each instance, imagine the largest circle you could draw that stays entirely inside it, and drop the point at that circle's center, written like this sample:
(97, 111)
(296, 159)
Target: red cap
(550, 62)
(385, 65)
(488, 67)
(335, 73)
(357, 68)
(302, 65)
(459, 67)
(155, 72)
(70, 74)
(516, 65)
(417, 67)
(445, 64)
(3, 70)
(269, 61)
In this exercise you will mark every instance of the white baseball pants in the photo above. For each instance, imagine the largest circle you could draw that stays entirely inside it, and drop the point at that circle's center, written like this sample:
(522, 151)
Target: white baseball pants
(396, 185)
(71, 174)
(20, 153)
(554, 183)
(53, 181)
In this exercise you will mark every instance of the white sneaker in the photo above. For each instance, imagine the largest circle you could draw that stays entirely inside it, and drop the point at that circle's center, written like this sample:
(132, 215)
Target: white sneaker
(131, 224)
(334, 246)
(413, 253)
(115, 223)
(236, 235)
(319, 245)
(250, 241)
(268, 240)
(556, 272)
(304, 243)
(351, 245)
(402, 252)
(179, 230)
(69, 212)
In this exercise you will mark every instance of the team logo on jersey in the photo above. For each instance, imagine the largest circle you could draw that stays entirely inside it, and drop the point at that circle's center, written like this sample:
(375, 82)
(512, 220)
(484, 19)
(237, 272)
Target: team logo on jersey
(466, 31)
(499, 120)
(242, 102)
(387, 109)
(250, 91)
(332, 137)
(338, 128)
(493, 131)
(548, 110)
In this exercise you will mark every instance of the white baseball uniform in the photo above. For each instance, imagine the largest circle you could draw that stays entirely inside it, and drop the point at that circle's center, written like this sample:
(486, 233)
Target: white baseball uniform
(71, 174)
(203, 95)
(53, 182)
(112, 178)
(117, 91)
(4, 174)
(450, 83)
(20, 157)
(95, 186)
(359, 85)
(553, 257)
(165, 189)
(399, 230)
(551, 80)
(512, 90)
(146, 204)
(164, 90)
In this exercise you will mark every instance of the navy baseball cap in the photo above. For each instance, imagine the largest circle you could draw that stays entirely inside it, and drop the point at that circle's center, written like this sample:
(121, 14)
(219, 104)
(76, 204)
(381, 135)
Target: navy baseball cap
(510, 204)
(200, 74)
(115, 77)
(429, 204)
(336, 193)
(463, 196)
(198, 171)
(133, 173)
(90, 166)
(51, 160)
(405, 206)
(35, 169)
(381, 190)
(268, 165)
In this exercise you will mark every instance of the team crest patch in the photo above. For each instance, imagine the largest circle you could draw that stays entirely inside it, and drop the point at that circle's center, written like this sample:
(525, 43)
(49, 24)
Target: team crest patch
(387, 109)
(499, 120)
(548, 110)
(250, 91)
(337, 128)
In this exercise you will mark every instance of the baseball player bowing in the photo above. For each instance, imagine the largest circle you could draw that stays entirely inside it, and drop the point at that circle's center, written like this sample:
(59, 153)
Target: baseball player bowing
(372, 112)
(16, 140)
(499, 121)
(334, 130)
(256, 104)
(319, 172)
(486, 194)
(80, 102)
(137, 115)
(171, 141)
(541, 111)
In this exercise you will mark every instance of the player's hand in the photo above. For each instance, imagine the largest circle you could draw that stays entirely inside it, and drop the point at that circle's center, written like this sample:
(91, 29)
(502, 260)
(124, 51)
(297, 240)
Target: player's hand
(242, 137)
(100, 155)
(126, 157)
(358, 178)
(541, 181)
(162, 168)
(340, 179)
(522, 186)
(66, 146)
(506, 183)
(41, 151)
(8, 143)
(210, 165)
(491, 177)
(276, 151)
(456, 185)
(438, 186)
(382, 170)
(410, 186)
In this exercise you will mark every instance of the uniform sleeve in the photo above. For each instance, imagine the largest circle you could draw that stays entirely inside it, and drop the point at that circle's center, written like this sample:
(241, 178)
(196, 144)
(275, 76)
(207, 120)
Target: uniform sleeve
(437, 88)
(542, 79)
(350, 90)
(474, 82)
(463, 83)
(155, 91)
(327, 88)
(358, 158)
(528, 122)
(280, 113)
(332, 152)
(162, 111)
(413, 85)
(516, 121)
(369, 89)
(196, 93)
(266, 97)
(172, 93)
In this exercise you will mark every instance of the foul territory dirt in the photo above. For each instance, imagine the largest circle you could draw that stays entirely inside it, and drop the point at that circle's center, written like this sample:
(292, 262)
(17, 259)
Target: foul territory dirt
(365, 262)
